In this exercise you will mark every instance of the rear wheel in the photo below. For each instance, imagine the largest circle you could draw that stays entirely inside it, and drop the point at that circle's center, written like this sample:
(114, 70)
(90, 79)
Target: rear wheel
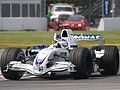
(82, 59)
(8, 55)
(109, 63)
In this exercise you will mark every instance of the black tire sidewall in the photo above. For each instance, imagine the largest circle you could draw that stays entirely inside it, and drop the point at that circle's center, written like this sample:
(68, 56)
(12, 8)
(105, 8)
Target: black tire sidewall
(82, 59)
(11, 54)
(110, 61)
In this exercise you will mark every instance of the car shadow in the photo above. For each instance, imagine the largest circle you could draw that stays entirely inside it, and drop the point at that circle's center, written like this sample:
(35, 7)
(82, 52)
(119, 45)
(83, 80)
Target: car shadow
(66, 77)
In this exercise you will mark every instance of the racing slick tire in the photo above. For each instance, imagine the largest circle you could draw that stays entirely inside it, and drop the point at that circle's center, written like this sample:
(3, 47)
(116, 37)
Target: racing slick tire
(109, 63)
(82, 59)
(8, 55)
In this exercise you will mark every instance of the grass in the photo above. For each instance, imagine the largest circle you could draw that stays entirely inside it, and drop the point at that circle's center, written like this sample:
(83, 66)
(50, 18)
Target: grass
(25, 38)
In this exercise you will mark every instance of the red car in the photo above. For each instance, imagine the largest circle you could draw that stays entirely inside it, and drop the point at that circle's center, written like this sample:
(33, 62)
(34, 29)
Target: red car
(52, 24)
(76, 22)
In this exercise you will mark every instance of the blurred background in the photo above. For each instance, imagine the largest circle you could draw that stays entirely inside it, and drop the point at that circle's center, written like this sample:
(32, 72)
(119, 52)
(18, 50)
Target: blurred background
(19, 14)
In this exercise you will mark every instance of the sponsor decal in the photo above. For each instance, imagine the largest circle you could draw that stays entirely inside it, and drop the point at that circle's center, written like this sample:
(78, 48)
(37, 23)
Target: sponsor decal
(39, 61)
(87, 37)
(106, 5)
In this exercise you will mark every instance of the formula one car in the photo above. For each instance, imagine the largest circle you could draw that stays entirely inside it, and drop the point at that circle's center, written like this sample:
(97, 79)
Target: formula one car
(63, 56)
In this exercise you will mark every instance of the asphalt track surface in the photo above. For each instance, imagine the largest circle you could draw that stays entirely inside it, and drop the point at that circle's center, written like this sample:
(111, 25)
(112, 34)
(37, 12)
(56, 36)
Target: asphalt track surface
(95, 82)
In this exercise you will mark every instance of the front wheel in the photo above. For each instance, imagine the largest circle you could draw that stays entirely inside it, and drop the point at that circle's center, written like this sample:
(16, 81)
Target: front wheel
(8, 55)
(82, 59)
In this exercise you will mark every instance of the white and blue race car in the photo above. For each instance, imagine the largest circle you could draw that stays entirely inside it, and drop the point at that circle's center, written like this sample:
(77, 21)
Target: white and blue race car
(62, 56)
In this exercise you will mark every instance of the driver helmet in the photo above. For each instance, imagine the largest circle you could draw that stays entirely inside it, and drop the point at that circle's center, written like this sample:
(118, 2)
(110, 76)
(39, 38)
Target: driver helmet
(63, 44)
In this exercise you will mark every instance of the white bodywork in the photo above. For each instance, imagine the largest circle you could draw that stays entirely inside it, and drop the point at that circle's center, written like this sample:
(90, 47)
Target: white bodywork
(41, 60)
(55, 57)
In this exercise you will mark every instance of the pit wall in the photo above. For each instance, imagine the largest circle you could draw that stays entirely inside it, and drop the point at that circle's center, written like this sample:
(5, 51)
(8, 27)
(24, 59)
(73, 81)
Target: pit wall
(37, 24)
(109, 24)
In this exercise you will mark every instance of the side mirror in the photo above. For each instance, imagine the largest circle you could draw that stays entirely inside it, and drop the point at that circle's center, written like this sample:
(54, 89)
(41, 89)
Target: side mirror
(57, 37)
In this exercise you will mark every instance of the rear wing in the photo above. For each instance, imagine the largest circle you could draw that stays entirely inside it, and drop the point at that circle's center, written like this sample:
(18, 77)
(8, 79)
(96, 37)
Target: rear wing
(71, 38)
(90, 37)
